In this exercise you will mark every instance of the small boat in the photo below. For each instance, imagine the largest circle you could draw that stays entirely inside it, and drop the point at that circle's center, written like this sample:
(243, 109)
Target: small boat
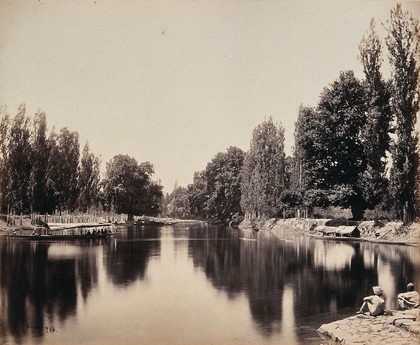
(335, 238)
(63, 231)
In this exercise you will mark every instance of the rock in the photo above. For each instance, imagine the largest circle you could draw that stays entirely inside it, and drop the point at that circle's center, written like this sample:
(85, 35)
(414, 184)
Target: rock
(398, 328)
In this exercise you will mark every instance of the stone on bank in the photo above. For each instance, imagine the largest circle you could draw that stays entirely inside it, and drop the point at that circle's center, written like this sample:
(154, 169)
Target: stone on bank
(397, 327)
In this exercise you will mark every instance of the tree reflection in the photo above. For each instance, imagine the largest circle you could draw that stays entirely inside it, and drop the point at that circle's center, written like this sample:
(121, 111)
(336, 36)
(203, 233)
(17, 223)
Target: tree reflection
(325, 276)
(37, 287)
(127, 257)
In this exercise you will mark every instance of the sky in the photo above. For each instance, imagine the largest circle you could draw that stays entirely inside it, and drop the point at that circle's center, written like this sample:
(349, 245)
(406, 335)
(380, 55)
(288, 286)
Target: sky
(176, 82)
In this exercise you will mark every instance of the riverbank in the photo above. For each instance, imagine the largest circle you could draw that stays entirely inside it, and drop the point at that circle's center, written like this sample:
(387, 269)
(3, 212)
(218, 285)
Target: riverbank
(398, 327)
(387, 232)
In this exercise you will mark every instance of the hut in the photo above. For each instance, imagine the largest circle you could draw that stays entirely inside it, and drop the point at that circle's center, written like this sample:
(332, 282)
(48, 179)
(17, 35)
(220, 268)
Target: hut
(347, 231)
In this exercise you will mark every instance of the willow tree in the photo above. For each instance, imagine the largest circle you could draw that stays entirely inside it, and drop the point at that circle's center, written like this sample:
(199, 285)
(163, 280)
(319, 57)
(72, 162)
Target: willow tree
(403, 46)
(263, 172)
(375, 134)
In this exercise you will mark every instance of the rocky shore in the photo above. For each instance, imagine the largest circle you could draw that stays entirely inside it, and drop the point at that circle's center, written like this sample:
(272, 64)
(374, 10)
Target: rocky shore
(387, 232)
(395, 328)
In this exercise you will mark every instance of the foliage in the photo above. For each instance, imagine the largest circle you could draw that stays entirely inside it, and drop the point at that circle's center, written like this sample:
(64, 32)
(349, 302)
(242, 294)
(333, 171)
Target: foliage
(331, 142)
(62, 172)
(291, 199)
(128, 187)
(4, 128)
(403, 45)
(305, 128)
(89, 180)
(197, 194)
(224, 184)
(178, 204)
(263, 174)
(375, 135)
(216, 191)
(18, 166)
(39, 162)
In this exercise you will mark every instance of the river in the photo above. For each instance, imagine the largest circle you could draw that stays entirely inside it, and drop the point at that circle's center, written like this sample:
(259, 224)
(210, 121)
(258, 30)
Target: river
(190, 284)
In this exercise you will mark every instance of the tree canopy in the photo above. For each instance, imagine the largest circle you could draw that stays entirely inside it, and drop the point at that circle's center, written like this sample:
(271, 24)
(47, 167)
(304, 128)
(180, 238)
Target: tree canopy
(403, 45)
(128, 187)
(263, 174)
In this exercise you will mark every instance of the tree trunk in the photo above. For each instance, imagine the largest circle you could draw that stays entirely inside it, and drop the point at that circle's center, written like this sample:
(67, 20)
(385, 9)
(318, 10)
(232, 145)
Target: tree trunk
(376, 221)
(357, 211)
(130, 217)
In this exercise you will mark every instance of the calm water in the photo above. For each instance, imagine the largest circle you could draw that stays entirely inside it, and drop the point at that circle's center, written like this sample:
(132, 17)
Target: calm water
(188, 284)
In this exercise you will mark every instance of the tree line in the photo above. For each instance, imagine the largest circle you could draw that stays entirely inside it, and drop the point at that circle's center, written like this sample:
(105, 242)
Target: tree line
(357, 148)
(42, 173)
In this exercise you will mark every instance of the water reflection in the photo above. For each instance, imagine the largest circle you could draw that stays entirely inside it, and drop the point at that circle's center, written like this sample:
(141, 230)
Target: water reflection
(39, 282)
(322, 277)
(126, 257)
(287, 287)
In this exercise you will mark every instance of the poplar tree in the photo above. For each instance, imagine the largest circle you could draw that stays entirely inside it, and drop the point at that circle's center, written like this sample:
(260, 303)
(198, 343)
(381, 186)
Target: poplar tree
(263, 174)
(89, 180)
(62, 174)
(4, 128)
(375, 135)
(403, 46)
(39, 161)
(18, 166)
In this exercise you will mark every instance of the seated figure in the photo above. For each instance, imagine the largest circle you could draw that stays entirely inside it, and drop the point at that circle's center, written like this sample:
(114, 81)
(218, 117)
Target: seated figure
(410, 299)
(373, 305)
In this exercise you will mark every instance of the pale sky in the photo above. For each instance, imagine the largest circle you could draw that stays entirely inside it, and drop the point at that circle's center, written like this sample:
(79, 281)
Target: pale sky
(175, 82)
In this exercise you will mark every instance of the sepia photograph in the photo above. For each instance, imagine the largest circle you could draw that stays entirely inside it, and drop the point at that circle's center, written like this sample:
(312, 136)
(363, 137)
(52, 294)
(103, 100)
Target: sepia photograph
(209, 172)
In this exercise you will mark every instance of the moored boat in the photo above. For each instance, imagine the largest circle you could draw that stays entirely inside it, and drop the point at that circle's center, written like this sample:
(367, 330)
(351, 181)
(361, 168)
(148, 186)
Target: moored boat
(63, 231)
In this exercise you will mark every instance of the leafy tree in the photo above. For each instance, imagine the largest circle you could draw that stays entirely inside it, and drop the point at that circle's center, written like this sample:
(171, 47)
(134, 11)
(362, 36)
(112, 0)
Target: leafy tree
(4, 127)
(375, 135)
(18, 164)
(197, 194)
(178, 203)
(128, 187)
(263, 174)
(153, 199)
(333, 149)
(89, 180)
(305, 129)
(403, 45)
(223, 176)
(39, 161)
(62, 172)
